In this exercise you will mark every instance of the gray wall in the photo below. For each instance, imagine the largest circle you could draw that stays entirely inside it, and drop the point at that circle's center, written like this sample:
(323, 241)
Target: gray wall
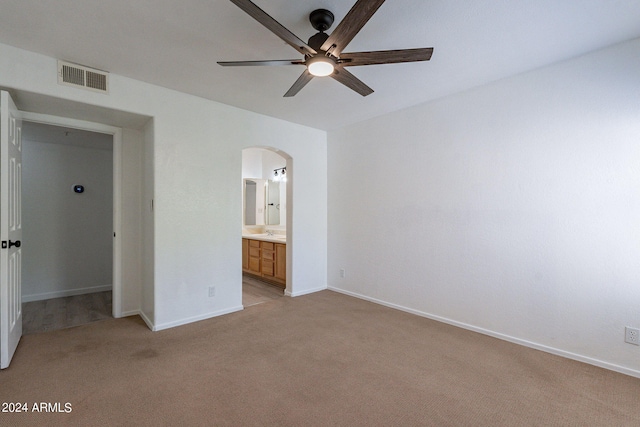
(67, 236)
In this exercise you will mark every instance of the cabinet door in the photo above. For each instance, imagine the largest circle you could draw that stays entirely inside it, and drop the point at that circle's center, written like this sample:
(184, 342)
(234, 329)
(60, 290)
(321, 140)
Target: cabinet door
(254, 265)
(267, 268)
(245, 254)
(281, 262)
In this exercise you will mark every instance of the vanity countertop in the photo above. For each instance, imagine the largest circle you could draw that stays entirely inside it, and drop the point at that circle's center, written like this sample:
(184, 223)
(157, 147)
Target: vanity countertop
(275, 238)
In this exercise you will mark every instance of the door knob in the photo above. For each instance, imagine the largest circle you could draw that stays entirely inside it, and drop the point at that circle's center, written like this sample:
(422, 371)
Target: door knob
(17, 244)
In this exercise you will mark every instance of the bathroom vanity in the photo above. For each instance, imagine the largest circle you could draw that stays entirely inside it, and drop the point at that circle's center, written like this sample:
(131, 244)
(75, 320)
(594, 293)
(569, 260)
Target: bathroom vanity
(265, 257)
(264, 240)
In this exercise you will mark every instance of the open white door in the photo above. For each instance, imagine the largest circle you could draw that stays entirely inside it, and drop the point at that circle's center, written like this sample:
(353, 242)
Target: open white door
(10, 228)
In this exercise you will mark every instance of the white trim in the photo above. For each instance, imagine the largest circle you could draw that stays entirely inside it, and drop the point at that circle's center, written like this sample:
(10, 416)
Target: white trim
(66, 293)
(117, 189)
(305, 292)
(117, 223)
(188, 320)
(131, 313)
(143, 316)
(145, 319)
(530, 344)
(68, 122)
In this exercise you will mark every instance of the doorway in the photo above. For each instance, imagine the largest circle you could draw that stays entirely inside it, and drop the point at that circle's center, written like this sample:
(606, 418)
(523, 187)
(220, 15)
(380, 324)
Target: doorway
(132, 173)
(266, 215)
(68, 215)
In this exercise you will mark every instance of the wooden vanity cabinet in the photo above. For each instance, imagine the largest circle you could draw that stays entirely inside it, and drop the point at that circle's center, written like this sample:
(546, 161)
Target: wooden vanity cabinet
(245, 254)
(266, 260)
(254, 256)
(281, 262)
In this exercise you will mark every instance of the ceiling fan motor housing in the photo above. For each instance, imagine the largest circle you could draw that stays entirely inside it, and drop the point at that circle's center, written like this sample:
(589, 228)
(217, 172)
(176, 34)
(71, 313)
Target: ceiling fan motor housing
(321, 19)
(317, 40)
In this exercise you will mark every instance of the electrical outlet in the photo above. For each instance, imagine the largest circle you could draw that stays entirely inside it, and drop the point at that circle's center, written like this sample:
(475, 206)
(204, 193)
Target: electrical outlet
(342, 273)
(632, 335)
(212, 291)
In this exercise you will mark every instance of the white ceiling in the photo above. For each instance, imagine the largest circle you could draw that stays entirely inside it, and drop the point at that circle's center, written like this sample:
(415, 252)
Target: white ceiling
(176, 44)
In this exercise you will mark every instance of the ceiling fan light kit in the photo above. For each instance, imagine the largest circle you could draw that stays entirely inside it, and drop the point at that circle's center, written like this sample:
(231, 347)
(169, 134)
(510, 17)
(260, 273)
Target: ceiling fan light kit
(323, 53)
(320, 66)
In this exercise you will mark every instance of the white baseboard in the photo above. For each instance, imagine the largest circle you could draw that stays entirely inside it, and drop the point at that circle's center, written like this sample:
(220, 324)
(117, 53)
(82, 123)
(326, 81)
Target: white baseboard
(65, 293)
(142, 315)
(537, 346)
(305, 292)
(193, 319)
(146, 319)
(131, 313)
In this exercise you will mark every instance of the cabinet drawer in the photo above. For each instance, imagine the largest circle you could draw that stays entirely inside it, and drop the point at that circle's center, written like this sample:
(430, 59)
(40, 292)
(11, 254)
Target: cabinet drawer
(254, 243)
(268, 255)
(254, 252)
(268, 246)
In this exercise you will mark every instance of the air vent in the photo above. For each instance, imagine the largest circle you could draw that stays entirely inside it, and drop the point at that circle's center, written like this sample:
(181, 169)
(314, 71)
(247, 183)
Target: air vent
(80, 76)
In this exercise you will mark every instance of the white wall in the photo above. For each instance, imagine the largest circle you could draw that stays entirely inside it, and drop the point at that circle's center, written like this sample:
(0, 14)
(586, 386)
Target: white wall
(197, 157)
(68, 236)
(252, 163)
(511, 209)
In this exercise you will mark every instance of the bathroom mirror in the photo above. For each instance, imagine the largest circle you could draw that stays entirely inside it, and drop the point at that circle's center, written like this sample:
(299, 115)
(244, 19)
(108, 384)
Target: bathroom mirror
(273, 203)
(254, 191)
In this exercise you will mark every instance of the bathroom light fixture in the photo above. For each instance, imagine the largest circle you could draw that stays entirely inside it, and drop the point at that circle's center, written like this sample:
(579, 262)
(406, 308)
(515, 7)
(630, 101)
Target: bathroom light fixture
(280, 177)
(320, 66)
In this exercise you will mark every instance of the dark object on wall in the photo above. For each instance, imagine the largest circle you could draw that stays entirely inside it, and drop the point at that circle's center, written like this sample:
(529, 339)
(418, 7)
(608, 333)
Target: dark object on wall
(78, 188)
(10, 244)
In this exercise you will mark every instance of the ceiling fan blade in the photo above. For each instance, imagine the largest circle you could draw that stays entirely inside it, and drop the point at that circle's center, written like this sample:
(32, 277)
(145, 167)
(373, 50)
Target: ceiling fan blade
(385, 57)
(351, 81)
(260, 63)
(278, 29)
(350, 25)
(299, 84)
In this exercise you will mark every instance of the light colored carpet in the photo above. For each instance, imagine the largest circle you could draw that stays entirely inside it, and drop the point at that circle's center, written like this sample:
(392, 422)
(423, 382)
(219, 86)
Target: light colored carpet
(315, 360)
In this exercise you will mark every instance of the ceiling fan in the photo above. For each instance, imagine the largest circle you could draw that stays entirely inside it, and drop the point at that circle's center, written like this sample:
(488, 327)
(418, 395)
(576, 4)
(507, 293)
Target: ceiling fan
(323, 54)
